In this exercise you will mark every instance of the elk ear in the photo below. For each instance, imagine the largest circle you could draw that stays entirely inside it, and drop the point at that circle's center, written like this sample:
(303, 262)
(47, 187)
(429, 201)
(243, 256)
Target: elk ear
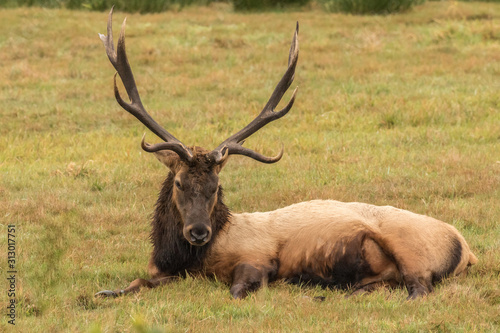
(168, 158)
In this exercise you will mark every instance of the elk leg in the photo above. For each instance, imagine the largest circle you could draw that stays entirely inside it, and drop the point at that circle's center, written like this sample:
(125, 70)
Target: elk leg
(372, 286)
(366, 289)
(246, 278)
(417, 281)
(414, 287)
(136, 285)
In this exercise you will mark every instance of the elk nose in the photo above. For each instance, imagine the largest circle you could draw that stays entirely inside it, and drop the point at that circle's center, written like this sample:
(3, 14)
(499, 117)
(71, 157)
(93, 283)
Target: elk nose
(199, 235)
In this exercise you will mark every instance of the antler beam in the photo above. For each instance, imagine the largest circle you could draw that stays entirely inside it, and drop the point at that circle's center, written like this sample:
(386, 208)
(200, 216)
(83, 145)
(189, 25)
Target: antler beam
(120, 62)
(233, 144)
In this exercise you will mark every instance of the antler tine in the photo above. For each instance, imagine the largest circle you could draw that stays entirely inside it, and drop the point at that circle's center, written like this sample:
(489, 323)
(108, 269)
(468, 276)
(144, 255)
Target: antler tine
(233, 145)
(119, 60)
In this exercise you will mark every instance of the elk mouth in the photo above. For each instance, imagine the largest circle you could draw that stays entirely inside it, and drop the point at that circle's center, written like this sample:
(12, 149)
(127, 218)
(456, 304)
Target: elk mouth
(197, 242)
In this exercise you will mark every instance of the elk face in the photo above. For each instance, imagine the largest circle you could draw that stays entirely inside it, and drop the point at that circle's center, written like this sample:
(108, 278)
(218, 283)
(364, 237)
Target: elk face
(194, 191)
(195, 199)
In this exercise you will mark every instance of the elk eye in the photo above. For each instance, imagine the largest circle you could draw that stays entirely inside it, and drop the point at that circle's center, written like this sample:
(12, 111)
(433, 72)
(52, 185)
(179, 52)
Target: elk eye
(178, 185)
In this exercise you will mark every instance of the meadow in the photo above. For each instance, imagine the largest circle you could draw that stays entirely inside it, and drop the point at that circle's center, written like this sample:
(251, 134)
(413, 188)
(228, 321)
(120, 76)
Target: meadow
(400, 110)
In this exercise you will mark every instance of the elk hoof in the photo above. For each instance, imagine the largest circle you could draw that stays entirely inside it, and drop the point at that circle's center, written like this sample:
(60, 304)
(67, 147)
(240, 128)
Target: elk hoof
(238, 291)
(106, 293)
(416, 291)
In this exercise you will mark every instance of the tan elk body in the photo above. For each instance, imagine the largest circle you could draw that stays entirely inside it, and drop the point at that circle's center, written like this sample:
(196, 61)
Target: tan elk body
(352, 246)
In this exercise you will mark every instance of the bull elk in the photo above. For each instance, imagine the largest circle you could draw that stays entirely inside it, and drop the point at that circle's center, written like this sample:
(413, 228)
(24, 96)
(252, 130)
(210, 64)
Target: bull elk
(353, 246)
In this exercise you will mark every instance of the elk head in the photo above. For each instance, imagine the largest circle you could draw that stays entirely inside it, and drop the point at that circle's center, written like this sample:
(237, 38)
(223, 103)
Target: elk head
(195, 170)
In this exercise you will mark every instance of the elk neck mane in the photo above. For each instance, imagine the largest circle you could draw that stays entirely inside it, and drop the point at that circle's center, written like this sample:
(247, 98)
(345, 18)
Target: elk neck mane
(172, 253)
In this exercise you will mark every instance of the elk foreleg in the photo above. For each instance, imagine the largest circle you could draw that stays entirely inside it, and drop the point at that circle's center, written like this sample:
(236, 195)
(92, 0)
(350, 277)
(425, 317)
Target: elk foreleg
(417, 287)
(248, 278)
(136, 285)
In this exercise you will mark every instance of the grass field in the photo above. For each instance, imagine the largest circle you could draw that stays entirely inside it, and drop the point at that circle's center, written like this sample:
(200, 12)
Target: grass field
(399, 110)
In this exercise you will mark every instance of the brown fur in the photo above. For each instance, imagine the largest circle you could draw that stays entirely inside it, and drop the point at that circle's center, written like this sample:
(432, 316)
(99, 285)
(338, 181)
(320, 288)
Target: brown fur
(343, 245)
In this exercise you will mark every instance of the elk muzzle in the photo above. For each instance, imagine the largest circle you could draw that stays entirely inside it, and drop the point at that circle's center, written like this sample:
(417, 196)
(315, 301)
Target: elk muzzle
(198, 234)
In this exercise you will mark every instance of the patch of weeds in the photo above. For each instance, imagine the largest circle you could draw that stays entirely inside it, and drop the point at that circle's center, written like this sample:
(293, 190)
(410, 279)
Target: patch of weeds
(490, 34)
(30, 309)
(441, 327)
(480, 16)
(97, 186)
(389, 121)
(226, 43)
(492, 296)
(75, 170)
(140, 326)
(86, 302)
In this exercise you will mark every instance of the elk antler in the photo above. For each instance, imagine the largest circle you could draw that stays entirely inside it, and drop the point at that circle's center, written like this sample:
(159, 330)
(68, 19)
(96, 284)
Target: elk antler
(120, 62)
(233, 144)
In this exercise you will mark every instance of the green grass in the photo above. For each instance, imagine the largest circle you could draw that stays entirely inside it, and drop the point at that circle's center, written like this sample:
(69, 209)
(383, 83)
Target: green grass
(399, 110)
